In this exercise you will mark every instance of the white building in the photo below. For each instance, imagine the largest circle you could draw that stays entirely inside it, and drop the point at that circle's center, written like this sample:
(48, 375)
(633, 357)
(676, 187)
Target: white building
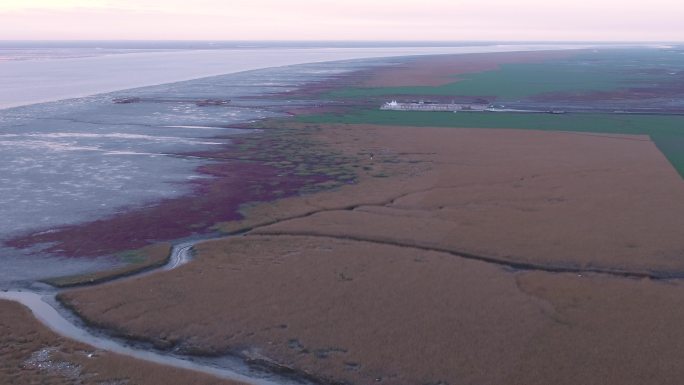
(451, 107)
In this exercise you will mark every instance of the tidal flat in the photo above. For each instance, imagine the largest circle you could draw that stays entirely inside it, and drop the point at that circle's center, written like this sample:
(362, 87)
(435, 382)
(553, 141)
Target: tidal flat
(97, 179)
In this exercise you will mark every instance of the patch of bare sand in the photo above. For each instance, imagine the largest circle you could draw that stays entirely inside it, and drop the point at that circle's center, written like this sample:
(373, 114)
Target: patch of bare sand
(357, 311)
(32, 354)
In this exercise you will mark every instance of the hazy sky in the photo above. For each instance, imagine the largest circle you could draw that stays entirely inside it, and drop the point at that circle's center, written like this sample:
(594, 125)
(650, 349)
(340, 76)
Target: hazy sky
(343, 19)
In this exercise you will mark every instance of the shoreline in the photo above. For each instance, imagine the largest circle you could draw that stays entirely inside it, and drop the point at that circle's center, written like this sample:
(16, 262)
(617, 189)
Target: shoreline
(157, 265)
(268, 146)
(211, 62)
(249, 158)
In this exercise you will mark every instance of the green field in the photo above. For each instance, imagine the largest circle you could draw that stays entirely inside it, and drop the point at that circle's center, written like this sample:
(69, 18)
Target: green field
(511, 82)
(585, 72)
(666, 131)
(581, 73)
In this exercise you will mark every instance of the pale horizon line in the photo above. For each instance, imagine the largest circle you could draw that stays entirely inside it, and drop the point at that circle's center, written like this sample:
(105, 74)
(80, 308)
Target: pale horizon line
(346, 41)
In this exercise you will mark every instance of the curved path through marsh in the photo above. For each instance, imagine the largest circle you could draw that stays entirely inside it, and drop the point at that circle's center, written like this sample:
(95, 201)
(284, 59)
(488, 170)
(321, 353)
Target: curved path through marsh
(48, 310)
(43, 309)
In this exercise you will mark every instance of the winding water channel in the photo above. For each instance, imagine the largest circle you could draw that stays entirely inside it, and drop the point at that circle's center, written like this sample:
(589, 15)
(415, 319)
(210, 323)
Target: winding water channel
(51, 313)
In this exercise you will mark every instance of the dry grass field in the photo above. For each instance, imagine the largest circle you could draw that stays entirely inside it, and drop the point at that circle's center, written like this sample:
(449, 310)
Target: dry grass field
(437, 266)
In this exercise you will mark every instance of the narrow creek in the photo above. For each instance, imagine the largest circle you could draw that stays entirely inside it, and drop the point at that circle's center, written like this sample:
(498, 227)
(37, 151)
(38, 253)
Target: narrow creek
(51, 313)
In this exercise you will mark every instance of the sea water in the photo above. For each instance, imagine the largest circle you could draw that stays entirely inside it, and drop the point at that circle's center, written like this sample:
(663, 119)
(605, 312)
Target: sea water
(80, 159)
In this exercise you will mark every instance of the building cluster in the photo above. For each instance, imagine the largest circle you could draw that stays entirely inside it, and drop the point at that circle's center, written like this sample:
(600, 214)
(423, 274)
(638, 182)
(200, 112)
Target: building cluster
(422, 106)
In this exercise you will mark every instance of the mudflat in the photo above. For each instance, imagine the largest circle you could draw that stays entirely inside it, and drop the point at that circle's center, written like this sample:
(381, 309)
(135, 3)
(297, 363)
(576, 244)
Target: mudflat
(486, 256)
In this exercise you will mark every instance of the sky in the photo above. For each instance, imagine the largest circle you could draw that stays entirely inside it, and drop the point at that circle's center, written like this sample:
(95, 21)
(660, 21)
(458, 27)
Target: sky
(446, 20)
